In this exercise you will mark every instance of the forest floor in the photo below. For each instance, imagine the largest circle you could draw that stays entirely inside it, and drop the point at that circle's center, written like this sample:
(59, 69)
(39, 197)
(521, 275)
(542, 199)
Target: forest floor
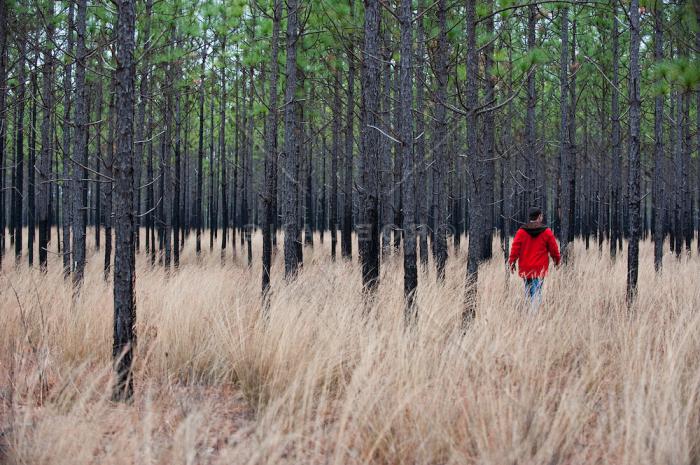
(333, 377)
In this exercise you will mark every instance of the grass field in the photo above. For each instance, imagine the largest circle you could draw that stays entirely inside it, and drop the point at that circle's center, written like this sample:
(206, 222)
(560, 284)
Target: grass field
(334, 378)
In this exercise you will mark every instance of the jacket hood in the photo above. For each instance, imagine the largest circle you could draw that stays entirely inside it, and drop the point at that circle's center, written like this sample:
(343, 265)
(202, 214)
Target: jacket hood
(534, 228)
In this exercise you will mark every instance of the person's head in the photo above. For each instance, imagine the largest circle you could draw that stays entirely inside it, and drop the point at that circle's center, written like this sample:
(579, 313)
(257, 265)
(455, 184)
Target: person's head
(535, 214)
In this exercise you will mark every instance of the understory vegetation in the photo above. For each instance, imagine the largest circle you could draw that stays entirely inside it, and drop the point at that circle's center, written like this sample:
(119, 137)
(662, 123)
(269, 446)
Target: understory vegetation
(332, 375)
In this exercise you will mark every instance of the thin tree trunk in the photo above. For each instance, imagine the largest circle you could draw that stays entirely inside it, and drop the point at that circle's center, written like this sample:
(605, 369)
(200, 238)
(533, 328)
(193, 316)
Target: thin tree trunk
(658, 187)
(440, 169)
(564, 143)
(474, 252)
(410, 281)
(371, 148)
(337, 108)
(222, 153)
(532, 197)
(46, 149)
(422, 181)
(107, 201)
(200, 156)
(489, 155)
(271, 152)
(3, 118)
(141, 121)
(291, 161)
(79, 147)
(67, 200)
(31, 181)
(346, 235)
(634, 152)
(18, 188)
(616, 175)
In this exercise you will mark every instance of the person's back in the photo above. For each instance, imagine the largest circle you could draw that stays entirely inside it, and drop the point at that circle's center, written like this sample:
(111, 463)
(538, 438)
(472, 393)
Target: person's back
(532, 246)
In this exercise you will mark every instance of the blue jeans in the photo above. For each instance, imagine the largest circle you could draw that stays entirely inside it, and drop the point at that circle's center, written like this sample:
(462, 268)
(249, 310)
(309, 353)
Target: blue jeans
(533, 290)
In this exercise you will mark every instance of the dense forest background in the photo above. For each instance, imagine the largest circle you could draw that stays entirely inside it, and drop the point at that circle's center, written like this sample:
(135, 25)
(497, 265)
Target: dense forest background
(409, 123)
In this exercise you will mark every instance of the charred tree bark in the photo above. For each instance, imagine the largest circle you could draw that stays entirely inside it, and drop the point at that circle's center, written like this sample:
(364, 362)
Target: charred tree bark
(3, 118)
(31, 171)
(291, 160)
(271, 153)
(615, 201)
(565, 193)
(410, 270)
(489, 156)
(125, 259)
(108, 187)
(222, 153)
(80, 147)
(474, 252)
(200, 156)
(657, 183)
(371, 148)
(66, 191)
(335, 153)
(634, 153)
(422, 180)
(18, 188)
(346, 234)
(44, 167)
(532, 194)
(440, 168)
(141, 121)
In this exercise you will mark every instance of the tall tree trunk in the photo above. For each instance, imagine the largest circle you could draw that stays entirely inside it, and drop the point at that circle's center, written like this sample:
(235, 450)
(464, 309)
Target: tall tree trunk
(177, 184)
(98, 165)
(422, 181)
(3, 119)
(46, 148)
(334, 164)
(141, 120)
(410, 280)
(387, 144)
(291, 161)
(634, 152)
(79, 146)
(200, 155)
(474, 252)
(657, 183)
(271, 152)
(31, 181)
(18, 190)
(67, 191)
(565, 193)
(371, 147)
(533, 194)
(108, 192)
(572, 152)
(248, 174)
(346, 235)
(222, 153)
(489, 156)
(212, 186)
(615, 201)
(440, 168)
(678, 175)
(125, 258)
(150, 193)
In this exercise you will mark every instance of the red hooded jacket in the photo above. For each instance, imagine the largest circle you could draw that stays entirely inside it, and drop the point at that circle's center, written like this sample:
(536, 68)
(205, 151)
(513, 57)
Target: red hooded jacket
(533, 244)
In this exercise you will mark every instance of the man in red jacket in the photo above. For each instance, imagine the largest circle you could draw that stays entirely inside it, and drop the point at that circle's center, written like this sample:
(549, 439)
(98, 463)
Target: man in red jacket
(533, 244)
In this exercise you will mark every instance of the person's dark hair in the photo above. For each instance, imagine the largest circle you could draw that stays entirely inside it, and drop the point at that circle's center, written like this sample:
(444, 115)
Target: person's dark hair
(533, 213)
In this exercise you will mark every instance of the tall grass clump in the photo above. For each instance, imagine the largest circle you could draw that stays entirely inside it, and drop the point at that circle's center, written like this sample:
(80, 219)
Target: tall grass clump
(331, 375)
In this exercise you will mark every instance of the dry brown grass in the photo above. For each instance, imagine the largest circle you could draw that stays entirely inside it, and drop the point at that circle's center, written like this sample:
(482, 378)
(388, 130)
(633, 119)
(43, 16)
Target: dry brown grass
(333, 378)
